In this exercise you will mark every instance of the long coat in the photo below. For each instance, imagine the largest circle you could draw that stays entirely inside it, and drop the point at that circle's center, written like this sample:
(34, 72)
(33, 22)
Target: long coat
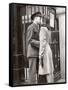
(32, 41)
(46, 52)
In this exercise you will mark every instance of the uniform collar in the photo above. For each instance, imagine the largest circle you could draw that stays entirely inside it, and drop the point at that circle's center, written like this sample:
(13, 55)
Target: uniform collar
(37, 26)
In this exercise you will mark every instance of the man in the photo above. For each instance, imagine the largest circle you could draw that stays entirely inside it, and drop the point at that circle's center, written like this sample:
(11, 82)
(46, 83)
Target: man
(32, 40)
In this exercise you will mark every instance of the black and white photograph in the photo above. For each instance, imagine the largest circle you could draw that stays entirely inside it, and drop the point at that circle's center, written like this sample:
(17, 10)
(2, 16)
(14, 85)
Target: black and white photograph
(37, 44)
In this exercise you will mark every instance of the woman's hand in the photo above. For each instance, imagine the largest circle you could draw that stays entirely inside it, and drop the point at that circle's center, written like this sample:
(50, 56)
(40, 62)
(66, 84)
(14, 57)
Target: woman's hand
(41, 61)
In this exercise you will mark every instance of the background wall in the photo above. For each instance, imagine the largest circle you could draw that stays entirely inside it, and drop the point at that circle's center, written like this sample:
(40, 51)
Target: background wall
(61, 17)
(4, 44)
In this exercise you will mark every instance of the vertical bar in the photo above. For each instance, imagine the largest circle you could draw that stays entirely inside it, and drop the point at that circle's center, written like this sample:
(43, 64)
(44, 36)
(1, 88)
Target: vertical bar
(34, 9)
(24, 34)
(44, 14)
(31, 12)
(55, 51)
(41, 9)
(26, 19)
(22, 19)
(25, 48)
(27, 13)
(38, 8)
(46, 11)
(29, 18)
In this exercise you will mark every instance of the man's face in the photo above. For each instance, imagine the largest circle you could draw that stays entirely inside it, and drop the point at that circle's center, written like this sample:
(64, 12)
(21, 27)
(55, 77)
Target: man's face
(38, 19)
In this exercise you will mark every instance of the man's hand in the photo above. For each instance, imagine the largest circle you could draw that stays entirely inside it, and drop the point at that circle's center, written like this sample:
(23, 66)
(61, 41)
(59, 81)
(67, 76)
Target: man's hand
(35, 43)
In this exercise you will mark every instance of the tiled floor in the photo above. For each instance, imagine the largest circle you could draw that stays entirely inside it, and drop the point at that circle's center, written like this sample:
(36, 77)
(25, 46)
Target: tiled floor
(61, 80)
(26, 82)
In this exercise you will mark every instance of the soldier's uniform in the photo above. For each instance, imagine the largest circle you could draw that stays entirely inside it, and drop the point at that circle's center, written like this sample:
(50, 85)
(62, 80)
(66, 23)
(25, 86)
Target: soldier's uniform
(32, 40)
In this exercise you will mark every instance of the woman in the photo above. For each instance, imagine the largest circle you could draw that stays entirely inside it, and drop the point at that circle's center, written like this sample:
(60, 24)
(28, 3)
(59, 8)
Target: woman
(45, 57)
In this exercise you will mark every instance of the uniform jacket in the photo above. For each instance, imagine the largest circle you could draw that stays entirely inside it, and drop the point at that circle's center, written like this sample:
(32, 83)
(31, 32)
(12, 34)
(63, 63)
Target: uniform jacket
(32, 41)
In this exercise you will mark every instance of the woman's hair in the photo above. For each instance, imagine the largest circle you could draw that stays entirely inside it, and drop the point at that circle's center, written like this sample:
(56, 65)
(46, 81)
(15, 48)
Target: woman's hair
(45, 22)
(46, 25)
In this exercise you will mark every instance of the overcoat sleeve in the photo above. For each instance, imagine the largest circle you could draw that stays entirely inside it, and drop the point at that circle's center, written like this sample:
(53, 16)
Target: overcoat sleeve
(43, 41)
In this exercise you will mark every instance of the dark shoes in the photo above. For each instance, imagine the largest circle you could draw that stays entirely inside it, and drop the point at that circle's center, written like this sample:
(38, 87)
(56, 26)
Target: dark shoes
(42, 79)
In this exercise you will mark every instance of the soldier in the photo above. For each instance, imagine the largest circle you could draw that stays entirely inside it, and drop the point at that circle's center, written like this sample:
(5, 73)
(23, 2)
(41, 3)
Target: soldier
(32, 40)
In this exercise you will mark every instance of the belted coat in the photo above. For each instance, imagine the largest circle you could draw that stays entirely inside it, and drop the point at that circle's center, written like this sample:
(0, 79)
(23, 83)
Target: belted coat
(45, 52)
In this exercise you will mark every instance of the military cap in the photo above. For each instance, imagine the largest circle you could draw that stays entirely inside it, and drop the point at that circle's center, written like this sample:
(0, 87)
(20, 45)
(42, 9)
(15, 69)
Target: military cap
(36, 15)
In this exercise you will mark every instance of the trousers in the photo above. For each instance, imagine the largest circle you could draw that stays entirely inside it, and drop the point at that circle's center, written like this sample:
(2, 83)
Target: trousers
(33, 70)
